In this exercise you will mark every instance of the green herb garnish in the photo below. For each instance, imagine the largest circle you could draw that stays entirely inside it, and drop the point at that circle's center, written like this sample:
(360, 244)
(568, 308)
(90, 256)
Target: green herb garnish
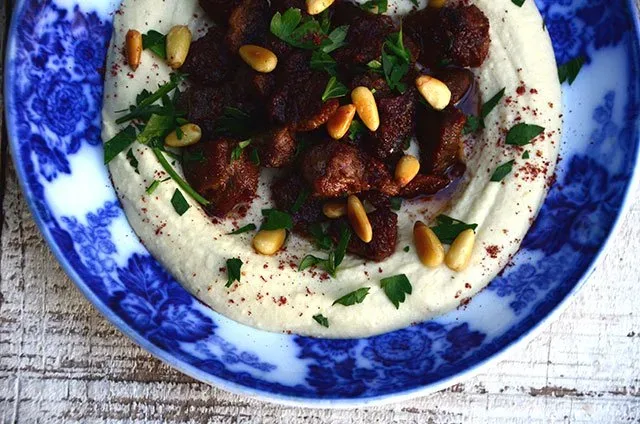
(302, 197)
(395, 61)
(375, 6)
(276, 220)
(322, 320)
(245, 229)
(133, 161)
(569, 71)
(447, 228)
(237, 151)
(233, 271)
(522, 134)
(518, 3)
(321, 61)
(302, 33)
(179, 203)
(193, 156)
(356, 129)
(146, 106)
(334, 89)
(177, 178)
(395, 203)
(525, 155)
(154, 185)
(502, 171)
(354, 297)
(407, 249)
(396, 288)
(235, 122)
(156, 42)
(118, 143)
(334, 258)
(322, 239)
(337, 39)
(475, 123)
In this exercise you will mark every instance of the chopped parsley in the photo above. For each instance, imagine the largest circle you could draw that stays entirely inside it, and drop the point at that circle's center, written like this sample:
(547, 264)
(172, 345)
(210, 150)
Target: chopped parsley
(276, 220)
(254, 157)
(396, 288)
(233, 271)
(354, 297)
(395, 203)
(322, 239)
(245, 229)
(502, 171)
(395, 61)
(179, 203)
(321, 61)
(518, 3)
(474, 123)
(522, 134)
(236, 153)
(337, 39)
(193, 156)
(375, 6)
(525, 155)
(356, 130)
(447, 228)
(154, 185)
(145, 105)
(407, 249)
(375, 65)
(133, 161)
(415, 3)
(302, 197)
(334, 89)
(156, 42)
(322, 320)
(118, 143)
(291, 28)
(569, 71)
(177, 178)
(334, 258)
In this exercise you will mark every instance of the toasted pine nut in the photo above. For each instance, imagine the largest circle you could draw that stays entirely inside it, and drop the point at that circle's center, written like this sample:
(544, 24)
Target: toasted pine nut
(260, 59)
(340, 121)
(315, 7)
(133, 47)
(334, 210)
(178, 45)
(459, 254)
(437, 3)
(359, 220)
(434, 91)
(430, 250)
(406, 170)
(191, 134)
(268, 242)
(366, 107)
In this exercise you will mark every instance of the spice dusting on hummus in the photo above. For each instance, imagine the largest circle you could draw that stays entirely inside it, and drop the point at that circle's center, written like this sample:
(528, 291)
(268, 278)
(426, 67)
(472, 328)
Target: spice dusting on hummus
(315, 167)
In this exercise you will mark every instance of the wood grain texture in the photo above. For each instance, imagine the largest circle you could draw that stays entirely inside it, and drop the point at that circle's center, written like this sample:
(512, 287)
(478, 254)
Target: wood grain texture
(61, 362)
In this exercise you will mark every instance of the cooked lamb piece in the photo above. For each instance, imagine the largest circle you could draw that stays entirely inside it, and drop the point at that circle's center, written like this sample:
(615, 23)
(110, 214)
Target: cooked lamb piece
(282, 5)
(457, 35)
(219, 10)
(367, 33)
(375, 198)
(276, 147)
(459, 81)
(286, 191)
(385, 235)
(225, 183)
(204, 106)
(424, 184)
(397, 122)
(440, 137)
(336, 169)
(209, 60)
(248, 23)
(297, 97)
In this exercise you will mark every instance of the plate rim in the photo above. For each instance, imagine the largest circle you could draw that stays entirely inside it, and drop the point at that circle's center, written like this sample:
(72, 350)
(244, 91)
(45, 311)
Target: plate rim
(277, 398)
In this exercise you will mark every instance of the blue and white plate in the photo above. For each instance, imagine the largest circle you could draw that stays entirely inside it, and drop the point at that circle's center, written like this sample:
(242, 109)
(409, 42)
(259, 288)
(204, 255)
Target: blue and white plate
(54, 81)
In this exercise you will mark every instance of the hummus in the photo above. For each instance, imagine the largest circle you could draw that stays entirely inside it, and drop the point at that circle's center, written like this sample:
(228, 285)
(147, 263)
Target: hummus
(272, 295)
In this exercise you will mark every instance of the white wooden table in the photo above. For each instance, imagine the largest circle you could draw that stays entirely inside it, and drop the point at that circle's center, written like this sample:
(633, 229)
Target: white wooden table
(61, 362)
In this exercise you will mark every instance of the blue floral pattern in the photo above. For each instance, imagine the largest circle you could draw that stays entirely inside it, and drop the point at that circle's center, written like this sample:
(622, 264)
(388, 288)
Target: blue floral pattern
(54, 90)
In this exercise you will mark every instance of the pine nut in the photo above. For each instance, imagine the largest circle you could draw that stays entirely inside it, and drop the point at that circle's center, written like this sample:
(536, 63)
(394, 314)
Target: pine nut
(406, 170)
(340, 121)
(434, 91)
(133, 47)
(334, 210)
(178, 45)
(366, 107)
(260, 59)
(430, 250)
(359, 220)
(268, 242)
(459, 254)
(315, 7)
(191, 134)
(437, 3)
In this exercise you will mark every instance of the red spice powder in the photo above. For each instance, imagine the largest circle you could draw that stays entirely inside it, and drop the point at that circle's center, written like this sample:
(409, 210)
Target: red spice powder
(492, 251)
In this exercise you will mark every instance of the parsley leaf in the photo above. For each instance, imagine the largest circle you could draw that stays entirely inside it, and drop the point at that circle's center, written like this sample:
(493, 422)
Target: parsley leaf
(233, 271)
(156, 129)
(245, 229)
(146, 106)
(447, 228)
(193, 156)
(180, 204)
(518, 3)
(415, 3)
(474, 123)
(302, 197)
(569, 71)
(375, 6)
(334, 89)
(321, 61)
(396, 288)
(395, 61)
(322, 239)
(335, 257)
(276, 220)
(322, 320)
(395, 203)
(356, 130)
(237, 151)
(407, 249)
(502, 171)
(133, 161)
(118, 143)
(337, 38)
(302, 33)
(254, 157)
(354, 297)
(156, 42)
(522, 134)
(525, 155)
(375, 65)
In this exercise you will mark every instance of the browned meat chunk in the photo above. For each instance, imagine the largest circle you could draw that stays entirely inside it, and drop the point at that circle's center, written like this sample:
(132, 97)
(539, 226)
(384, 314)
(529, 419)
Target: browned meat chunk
(336, 169)
(282, 5)
(204, 106)
(219, 10)
(397, 122)
(286, 191)
(373, 81)
(248, 23)
(458, 80)
(385, 236)
(459, 35)
(424, 184)
(276, 147)
(263, 84)
(297, 98)
(209, 60)
(440, 138)
(367, 33)
(225, 183)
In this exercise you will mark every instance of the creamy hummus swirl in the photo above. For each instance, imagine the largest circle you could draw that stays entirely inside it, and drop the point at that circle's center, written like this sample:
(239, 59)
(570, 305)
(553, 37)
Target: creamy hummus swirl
(272, 295)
